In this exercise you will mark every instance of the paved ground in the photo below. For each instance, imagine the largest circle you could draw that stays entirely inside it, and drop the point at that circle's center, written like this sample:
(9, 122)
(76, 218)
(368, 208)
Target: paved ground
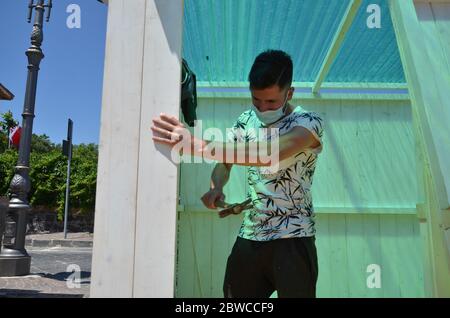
(57, 239)
(55, 272)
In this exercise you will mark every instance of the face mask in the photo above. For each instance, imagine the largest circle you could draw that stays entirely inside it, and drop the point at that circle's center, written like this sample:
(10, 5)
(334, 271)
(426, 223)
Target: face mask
(270, 116)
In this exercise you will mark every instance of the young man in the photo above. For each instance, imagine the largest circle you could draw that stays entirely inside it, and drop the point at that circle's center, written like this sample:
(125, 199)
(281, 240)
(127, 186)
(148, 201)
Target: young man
(275, 249)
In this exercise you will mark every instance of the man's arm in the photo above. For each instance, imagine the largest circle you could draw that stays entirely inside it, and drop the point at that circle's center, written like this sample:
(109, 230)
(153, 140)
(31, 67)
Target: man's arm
(257, 153)
(219, 177)
(172, 132)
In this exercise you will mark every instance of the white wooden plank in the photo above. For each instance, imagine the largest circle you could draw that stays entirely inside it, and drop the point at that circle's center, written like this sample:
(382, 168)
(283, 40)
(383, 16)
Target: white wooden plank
(356, 247)
(390, 258)
(441, 13)
(338, 256)
(358, 121)
(220, 243)
(323, 246)
(335, 195)
(419, 240)
(220, 252)
(113, 253)
(186, 267)
(372, 253)
(339, 37)
(411, 271)
(203, 251)
(154, 261)
(426, 68)
(422, 57)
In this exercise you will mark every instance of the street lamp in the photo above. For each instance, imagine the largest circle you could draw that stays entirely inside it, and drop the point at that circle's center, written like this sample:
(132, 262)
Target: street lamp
(14, 259)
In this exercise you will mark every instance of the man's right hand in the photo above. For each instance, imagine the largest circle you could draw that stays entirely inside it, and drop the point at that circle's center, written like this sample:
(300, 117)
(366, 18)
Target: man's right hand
(210, 198)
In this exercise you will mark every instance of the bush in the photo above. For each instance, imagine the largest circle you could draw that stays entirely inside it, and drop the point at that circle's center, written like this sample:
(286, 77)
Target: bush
(8, 160)
(48, 173)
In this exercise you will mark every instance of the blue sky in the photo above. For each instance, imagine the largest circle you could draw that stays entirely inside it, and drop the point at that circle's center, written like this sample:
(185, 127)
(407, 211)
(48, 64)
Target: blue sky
(71, 74)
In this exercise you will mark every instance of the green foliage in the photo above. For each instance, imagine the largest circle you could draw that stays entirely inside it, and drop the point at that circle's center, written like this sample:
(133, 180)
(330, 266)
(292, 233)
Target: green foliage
(48, 179)
(84, 176)
(8, 160)
(7, 121)
(41, 144)
(48, 172)
(3, 141)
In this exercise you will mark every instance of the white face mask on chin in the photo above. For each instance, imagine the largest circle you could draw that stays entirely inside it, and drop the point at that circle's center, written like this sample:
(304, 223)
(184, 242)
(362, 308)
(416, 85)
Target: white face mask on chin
(271, 116)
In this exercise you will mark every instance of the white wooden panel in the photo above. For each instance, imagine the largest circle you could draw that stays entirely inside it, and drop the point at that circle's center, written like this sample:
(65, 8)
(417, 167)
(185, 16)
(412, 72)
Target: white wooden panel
(367, 166)
(420, 30)
(426, 68)
(134, 245)
(115, 215)
(154, 264)
(442, 19)
(368, 159)
(187, 272)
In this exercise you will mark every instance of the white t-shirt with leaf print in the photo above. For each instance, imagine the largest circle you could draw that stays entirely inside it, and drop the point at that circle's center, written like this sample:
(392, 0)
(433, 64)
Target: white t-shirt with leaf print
(282, 200)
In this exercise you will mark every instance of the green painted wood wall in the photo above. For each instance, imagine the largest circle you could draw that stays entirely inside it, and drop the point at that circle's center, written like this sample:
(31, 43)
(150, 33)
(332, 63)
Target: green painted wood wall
(423, 35)
(364, 192)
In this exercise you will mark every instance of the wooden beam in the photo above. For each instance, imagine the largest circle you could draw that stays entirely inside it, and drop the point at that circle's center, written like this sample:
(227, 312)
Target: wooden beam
(157, 195)
(431, 1)
(309, 85)
(5, 94)
(322, 210)
(330, 91)
(428, 76)
(135, 217)
(339, 37)
(115, 215)
(421, 32)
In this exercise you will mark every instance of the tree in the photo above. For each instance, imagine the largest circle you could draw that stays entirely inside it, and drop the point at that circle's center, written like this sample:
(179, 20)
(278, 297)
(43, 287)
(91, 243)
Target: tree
(8, 160)
(48, 171)
(7, 122)
(41, 144)
(83, 178)
(48, 179)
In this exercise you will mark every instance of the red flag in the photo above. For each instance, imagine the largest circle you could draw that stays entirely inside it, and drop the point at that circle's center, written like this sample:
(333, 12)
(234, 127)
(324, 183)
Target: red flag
(14, 135)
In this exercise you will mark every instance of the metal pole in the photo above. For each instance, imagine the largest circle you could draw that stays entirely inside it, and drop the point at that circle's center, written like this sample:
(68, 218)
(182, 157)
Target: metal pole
(66, 208)
(14, 259)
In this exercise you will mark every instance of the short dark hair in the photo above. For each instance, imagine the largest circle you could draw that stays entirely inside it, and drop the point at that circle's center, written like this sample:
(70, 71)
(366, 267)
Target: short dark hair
(272, 67)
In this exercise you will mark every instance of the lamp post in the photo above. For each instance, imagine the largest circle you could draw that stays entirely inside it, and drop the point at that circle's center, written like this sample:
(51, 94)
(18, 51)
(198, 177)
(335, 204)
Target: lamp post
(14, 259)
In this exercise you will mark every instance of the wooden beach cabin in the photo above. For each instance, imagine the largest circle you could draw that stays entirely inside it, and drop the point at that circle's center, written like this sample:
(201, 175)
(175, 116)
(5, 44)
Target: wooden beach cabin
(378, 71)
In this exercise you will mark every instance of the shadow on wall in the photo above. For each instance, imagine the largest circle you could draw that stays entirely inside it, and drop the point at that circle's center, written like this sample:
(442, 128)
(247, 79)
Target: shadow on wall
(163, 7)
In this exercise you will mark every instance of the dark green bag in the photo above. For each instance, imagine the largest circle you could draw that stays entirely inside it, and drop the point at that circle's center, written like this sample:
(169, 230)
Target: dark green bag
(188, 94)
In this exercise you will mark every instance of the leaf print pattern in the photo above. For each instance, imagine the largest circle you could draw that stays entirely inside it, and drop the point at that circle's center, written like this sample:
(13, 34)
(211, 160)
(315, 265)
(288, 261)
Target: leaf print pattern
(282, 202)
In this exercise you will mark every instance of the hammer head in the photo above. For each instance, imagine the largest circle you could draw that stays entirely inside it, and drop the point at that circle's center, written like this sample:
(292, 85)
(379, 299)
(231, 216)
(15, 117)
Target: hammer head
(235, 208)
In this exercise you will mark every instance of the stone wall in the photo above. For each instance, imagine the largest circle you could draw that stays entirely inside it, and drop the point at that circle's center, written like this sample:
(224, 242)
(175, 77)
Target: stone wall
(45, 220)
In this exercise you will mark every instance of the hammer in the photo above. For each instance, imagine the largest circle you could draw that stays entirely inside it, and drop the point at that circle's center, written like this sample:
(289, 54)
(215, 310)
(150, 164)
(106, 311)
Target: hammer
(235, 208)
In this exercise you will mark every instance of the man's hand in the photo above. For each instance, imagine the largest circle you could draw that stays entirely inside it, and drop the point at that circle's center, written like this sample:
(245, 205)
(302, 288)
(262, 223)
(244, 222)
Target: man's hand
(168, 130)
(210, 198)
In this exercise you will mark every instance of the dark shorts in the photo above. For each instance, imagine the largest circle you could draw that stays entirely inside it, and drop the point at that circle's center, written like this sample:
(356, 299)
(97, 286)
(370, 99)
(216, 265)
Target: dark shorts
(257, 269)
